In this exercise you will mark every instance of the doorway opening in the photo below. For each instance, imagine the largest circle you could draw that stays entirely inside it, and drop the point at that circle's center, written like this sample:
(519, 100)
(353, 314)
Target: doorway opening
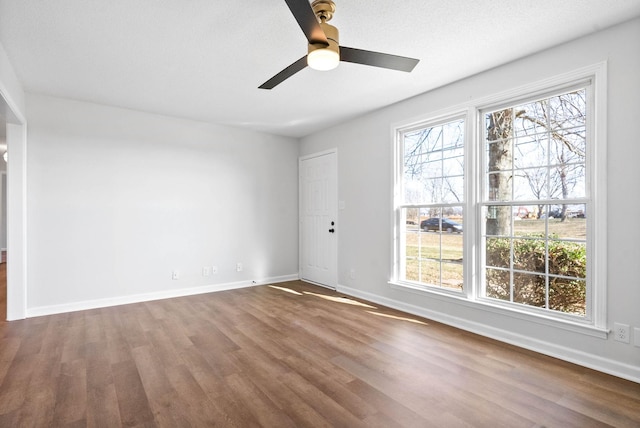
(14, 271)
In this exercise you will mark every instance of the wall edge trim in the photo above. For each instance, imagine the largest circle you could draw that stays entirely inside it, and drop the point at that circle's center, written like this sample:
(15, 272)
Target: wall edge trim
(147, 297)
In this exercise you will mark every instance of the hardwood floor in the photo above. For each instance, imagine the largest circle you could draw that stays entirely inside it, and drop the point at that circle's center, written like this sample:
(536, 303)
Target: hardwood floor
(288, 355)
(3, 291)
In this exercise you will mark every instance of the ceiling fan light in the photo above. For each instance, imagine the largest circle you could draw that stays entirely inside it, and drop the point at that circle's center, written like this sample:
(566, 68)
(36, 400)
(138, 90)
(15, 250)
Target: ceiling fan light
(323, 59)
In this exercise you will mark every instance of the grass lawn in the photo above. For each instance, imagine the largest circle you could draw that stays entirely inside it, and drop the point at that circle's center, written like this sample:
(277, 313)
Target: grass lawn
(572, 228)
(436, 258)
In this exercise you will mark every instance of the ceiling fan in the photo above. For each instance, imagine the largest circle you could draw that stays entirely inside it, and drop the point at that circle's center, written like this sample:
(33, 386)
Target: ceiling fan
(324, 52)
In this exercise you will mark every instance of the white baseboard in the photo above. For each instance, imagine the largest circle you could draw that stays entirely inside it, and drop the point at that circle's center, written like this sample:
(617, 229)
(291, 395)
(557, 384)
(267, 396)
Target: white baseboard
(146, 297)
(605, 365)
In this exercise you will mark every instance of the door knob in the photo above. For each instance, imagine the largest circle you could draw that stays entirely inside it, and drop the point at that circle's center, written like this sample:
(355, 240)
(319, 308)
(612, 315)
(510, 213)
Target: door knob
(332, 230)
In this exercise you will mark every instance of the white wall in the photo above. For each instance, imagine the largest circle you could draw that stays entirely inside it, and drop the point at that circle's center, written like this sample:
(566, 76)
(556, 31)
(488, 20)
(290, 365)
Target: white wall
(365, 179)
(10, 89)
(118, 199)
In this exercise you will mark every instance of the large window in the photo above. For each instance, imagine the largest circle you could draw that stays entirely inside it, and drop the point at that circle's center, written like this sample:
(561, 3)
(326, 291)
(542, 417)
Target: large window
(431, 205)
(535, 203)
(503, 213)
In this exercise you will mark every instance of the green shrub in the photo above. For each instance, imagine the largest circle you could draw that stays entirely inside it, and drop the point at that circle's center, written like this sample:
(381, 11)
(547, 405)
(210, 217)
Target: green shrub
(564, 258)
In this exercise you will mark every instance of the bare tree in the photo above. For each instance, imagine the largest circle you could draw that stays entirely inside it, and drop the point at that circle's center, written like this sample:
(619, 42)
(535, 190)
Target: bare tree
(560, 122)
(426, 164)
(499, 137)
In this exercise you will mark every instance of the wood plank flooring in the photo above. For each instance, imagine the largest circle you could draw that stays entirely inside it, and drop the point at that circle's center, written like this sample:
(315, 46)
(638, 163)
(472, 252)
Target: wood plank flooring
(3, 291)
(288, 355)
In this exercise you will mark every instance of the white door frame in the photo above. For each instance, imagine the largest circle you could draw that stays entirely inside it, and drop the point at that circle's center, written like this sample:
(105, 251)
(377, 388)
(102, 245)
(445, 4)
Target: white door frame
(16, 206)
(334, 151)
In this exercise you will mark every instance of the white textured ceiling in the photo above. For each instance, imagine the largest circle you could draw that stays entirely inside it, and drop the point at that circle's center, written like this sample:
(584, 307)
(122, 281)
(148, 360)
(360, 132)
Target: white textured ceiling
(204, 59)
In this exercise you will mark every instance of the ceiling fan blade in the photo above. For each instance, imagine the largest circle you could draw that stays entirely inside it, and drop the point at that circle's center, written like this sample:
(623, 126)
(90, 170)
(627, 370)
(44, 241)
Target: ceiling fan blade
(285, 74)
(377, 59)
(307, 20)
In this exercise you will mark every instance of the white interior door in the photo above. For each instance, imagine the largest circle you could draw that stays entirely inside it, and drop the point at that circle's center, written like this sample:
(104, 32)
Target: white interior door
(318, 219)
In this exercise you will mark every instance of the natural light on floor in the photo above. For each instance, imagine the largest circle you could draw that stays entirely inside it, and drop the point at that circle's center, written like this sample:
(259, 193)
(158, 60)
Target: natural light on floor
(288, 290)
(340, 300)
(395, 317)
(348, 301)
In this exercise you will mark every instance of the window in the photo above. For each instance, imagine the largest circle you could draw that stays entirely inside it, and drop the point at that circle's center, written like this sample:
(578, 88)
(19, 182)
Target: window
(431, 205)
(524, 232)
(535, 203)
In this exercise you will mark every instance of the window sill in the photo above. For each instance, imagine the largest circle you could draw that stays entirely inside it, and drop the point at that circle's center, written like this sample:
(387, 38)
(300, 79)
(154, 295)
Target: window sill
(460, 299)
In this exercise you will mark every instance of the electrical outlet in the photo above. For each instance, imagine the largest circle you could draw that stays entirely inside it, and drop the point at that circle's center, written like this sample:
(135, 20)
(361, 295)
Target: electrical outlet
(238, 267)
(214, 270)
(206, 271)
(636, 337)
(175, 275)
(621, 332)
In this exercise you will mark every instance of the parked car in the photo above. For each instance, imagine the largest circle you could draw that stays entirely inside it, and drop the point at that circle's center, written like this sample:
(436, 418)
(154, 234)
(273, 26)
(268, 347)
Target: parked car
(575, 214)
(438, 224)
(555, 213)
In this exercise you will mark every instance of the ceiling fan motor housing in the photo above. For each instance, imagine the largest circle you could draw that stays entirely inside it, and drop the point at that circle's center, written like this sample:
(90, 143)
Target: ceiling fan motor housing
(333, 37)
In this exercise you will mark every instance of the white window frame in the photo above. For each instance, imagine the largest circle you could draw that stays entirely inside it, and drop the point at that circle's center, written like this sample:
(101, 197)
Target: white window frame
(400, 249)
(593, 77)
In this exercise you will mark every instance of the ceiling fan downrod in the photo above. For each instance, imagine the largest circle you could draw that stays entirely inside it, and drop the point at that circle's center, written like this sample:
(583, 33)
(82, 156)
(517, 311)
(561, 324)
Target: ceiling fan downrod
(324, 9)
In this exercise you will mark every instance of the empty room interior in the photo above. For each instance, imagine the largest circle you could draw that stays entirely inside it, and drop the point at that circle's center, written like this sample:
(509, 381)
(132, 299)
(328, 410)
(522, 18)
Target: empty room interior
(320, 213)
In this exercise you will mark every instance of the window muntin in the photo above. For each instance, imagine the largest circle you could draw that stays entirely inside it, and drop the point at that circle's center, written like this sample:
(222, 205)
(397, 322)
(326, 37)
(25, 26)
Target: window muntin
(431, 207)
(534, 204)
